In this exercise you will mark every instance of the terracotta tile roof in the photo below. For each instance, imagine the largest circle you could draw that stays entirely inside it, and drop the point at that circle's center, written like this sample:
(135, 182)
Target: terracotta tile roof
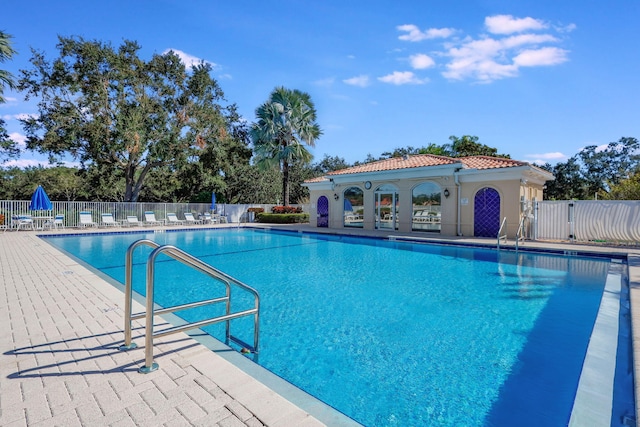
(423, 160)
(487, 162)
(316, 179)
(416, 161)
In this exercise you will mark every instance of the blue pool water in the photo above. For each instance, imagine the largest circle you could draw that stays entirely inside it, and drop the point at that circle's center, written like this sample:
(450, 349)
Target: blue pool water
(393, 333)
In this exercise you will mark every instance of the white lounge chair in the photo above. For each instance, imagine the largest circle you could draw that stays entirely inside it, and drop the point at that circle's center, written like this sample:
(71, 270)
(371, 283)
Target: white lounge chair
(173, 219)
(207, 218)
(132, 221)
(22, 221)
(86, 220)
(188, 216)
(108, 221)
(150, 219)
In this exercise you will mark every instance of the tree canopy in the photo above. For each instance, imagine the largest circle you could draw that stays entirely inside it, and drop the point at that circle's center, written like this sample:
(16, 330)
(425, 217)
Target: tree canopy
(286, 126)
(123, 117)
(463, 146)
(8, 148)
(596, 171)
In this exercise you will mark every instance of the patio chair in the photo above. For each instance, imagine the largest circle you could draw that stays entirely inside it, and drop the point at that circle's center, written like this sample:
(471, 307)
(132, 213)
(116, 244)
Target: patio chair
(86, 220)
(132, 221)
(108, 221)
(150, 219)
(207, 218)
(56, 222)
(188, 216)
(22, 221)
(173, 219)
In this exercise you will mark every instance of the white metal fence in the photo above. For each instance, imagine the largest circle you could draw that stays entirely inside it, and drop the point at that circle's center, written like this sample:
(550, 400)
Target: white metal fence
(120, 210)
(600, 221)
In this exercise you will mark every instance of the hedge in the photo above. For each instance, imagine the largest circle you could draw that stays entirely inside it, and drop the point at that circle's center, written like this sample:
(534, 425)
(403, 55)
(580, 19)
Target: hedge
(283, 218)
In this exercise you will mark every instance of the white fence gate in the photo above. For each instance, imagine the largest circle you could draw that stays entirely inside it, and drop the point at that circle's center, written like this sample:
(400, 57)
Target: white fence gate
(613, 221)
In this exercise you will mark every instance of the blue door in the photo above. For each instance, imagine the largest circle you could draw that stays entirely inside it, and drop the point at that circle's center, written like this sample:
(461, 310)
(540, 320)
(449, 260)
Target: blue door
(486, 213)
(323, 212)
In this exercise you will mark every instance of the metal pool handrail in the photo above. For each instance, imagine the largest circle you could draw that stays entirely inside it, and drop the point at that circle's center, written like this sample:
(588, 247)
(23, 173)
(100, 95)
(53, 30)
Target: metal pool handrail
(500, 236)
(150, 312)
(520, 233)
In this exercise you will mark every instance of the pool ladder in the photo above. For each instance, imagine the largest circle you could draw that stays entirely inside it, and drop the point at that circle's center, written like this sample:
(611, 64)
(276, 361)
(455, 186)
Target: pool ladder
(151, 311)
(520, 234)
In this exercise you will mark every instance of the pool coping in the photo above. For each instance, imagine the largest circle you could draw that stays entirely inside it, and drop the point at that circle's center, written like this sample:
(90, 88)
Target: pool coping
(631, 254)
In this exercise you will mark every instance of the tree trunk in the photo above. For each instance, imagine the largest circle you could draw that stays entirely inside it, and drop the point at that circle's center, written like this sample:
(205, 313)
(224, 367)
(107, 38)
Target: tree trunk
(285, 183)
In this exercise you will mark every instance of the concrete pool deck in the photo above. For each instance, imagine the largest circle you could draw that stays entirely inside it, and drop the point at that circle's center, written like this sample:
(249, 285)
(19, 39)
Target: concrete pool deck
(60, 364)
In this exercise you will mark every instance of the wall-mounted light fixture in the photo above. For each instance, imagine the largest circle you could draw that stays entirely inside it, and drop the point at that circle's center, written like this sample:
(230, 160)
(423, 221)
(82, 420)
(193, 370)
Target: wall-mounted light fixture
(446, 192)
(335, 196)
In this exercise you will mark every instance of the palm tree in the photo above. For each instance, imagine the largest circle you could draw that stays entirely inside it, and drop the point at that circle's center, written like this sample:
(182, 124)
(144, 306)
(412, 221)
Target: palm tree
(6, 52)
(286, 125)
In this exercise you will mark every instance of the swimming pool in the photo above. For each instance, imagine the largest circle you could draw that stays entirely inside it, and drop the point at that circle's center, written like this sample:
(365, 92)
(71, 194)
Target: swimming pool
(395, 333)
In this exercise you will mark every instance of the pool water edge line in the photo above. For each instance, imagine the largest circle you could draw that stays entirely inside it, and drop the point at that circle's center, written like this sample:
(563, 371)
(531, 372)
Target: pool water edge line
(594, 405)
(426, 240)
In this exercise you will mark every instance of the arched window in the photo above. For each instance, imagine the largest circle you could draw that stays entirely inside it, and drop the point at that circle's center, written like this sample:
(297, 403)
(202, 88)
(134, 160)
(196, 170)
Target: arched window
(427, 215)
(353, 211)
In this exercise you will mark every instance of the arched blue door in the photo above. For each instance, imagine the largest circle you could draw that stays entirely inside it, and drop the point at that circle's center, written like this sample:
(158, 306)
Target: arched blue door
(486, 213)
(323, 212)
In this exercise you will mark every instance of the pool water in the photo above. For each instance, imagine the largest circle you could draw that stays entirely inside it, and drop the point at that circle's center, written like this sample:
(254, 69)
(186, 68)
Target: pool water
(392, 333)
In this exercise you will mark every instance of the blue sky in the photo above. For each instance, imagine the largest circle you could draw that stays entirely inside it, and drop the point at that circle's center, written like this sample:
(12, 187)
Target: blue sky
(537, 79)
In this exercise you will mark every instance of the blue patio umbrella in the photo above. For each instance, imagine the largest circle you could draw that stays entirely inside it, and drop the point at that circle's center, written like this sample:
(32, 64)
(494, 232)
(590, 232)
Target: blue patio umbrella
(40, 201)
(347, 205)
(213, 201)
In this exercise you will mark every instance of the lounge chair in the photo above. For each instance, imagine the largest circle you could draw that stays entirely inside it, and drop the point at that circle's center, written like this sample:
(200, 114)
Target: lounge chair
(86, 220)
(188, 216)
(108, 221)
(56, 222)
(132, 221)
(207, 218)
(150, 219)
(22, 221)
(173, 219)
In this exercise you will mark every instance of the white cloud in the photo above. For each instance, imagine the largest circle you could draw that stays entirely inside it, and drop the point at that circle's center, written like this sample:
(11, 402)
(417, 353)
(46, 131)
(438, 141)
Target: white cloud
(24, 163)
(361, 81)
(351, 57)
(21, 116)
(488, 58)
(189, 60)
(556, 155)
(421, 61)
(507, 24)
(540, 57)
(328, 82)
(402, 78)
(526, 39)
(415, 35)
(20, 139)
(566, 28)
(552, 158)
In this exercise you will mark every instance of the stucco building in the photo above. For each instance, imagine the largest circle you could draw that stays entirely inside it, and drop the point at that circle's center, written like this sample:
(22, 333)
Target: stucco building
(468, 196)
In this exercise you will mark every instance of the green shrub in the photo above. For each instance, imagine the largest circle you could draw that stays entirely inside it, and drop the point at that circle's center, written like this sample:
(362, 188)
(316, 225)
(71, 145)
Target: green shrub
(283, 218)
